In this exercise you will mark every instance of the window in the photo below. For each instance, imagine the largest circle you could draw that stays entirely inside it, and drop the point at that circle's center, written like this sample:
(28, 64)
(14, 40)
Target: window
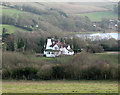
(52, 53)
(56, 48)
(48, 53)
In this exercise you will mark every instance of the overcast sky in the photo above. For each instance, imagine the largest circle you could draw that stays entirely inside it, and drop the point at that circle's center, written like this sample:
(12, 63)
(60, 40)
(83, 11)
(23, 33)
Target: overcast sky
(59, 0)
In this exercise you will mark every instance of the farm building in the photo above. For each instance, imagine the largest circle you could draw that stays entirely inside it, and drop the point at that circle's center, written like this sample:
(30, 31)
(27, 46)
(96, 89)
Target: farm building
(55, 48)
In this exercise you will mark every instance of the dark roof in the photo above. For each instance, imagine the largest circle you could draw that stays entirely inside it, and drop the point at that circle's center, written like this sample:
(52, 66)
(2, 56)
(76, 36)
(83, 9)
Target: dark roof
(65, 45)
(59, 44)
(56, 42)
(53, 45)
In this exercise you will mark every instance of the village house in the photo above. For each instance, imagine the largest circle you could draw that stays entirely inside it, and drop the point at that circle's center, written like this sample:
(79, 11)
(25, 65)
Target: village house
(55, 48)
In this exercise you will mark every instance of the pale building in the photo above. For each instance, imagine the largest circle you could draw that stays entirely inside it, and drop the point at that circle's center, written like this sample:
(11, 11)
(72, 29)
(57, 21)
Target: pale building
(55, 48)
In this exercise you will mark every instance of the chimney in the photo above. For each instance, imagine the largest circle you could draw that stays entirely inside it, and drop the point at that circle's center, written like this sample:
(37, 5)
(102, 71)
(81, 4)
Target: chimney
(49, 42)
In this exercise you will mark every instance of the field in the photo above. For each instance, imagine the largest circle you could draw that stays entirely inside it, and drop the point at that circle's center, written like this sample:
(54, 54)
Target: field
(112, 57)
(73, 8)
(97, 16)
(11, 12)
(94, 12)
(60, 86)
(12, 29)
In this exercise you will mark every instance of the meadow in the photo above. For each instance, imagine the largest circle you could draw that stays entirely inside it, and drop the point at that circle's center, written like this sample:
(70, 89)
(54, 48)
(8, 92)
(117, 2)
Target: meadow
(12, 29)
(59, 86)
(97, 16)
(111, 57)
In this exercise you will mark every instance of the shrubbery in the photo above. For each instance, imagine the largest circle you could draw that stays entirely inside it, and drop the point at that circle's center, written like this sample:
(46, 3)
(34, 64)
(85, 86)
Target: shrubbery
(81, 66)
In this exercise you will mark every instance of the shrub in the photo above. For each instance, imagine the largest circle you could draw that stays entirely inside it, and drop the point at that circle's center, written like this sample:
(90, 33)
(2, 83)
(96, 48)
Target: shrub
(45, 72)
(94, 48)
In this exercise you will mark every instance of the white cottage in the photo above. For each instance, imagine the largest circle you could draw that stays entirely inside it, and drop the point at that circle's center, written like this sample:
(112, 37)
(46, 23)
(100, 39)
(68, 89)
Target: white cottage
(55, 48)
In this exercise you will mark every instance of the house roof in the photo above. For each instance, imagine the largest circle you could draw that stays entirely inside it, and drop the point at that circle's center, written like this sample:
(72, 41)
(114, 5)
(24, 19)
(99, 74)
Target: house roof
(70, 50)
(59, 44)
(53, 45)
(65, 45)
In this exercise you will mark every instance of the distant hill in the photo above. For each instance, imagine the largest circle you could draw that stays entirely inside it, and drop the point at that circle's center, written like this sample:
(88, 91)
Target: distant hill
(56, 18)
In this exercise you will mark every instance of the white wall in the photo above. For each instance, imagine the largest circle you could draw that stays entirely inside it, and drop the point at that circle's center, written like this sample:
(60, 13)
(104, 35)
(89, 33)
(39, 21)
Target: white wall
(66, 52)
(49, 42)
(50, 54)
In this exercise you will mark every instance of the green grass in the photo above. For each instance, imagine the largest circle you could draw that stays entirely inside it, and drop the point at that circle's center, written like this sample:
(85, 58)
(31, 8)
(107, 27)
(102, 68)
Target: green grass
(60, 86)
(11, 12)
(110, 58)
(12, 29)
(50, 59)
(97, 16)
(14, 13)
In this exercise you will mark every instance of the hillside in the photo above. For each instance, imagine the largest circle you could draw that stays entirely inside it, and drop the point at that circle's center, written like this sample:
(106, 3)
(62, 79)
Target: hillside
(74, 8)
(12, 29)
(56, 18)
(97, 16)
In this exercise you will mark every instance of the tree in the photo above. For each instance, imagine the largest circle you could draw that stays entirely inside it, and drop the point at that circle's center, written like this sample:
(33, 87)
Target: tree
(115, 9)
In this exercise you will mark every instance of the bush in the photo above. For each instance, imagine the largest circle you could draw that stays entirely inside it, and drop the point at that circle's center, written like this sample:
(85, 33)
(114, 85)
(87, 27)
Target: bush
(95, 48)
(45, 72)
(81, 66)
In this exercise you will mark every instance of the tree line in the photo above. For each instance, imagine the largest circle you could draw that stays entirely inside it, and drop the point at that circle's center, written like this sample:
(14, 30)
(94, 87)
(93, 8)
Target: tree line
(35, 42)
(79, 67)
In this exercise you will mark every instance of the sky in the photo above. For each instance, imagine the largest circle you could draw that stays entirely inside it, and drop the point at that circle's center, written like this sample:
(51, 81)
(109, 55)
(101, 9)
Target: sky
(60, 0)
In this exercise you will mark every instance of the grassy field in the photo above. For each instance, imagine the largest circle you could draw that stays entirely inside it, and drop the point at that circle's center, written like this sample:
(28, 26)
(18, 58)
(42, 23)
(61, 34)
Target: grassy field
(97, 16)
(80, 9)
(14, 13)
(11, 12)
(73, 8)
(12, 29)
(60, 86)
(111, 57)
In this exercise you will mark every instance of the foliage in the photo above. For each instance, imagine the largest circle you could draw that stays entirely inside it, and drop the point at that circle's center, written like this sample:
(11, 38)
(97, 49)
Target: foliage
(95, 48)
(29, 17)
(12, 29)
(82, 66)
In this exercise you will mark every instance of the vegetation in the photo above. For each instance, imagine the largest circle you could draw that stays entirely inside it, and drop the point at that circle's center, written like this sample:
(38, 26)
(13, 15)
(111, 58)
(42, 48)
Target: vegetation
(59, 87)
(12, 29)
(53, 20)
(49, 18)
(97, 16)
(33, 42)
(29, 67)
(42, 24)
(26, 28)
(12, 12)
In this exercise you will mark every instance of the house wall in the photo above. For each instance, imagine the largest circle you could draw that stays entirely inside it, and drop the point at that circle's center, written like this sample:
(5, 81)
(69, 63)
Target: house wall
(50, 54)
(66, 52)
(56, 47)
(49, 42)
(57, 53)
(56, 50)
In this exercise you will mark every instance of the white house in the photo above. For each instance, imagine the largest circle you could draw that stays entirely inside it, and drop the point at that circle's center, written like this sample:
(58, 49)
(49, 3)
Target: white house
(55, 48)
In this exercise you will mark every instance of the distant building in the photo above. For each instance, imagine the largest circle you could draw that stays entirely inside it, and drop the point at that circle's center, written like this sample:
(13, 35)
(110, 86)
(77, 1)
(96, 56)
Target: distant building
(55, 48)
